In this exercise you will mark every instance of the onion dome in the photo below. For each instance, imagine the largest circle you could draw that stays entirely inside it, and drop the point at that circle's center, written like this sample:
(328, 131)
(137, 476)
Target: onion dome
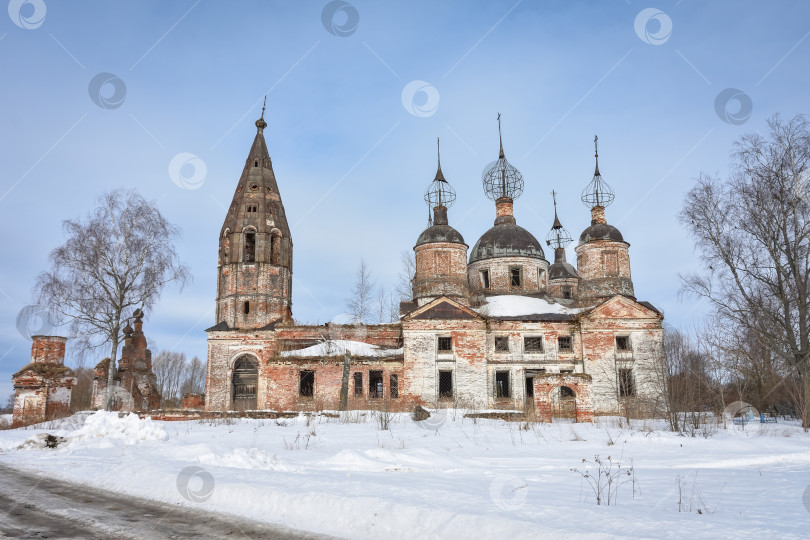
(439, 195)
(597, 192)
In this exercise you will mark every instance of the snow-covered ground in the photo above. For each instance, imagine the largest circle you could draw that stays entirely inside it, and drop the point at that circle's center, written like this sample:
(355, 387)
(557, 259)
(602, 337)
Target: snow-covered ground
(447, 477)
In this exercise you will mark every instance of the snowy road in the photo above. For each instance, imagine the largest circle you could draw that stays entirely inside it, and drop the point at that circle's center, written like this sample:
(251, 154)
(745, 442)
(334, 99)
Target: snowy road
(36, 507)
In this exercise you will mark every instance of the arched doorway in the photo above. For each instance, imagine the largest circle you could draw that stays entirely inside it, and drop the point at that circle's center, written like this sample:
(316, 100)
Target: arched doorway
(244, 382)
(563, 403)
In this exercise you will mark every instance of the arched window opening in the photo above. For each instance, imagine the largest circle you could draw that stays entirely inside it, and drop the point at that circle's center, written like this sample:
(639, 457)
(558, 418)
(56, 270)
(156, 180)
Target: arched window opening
(250, 247)
(275, 249)
(244, 382)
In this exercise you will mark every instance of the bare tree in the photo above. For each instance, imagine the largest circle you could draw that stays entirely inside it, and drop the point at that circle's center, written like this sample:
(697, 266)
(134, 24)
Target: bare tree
(194, 377)
(753, 235)
(169, 368)
(406, 274)
(114, 262)
(360, 303)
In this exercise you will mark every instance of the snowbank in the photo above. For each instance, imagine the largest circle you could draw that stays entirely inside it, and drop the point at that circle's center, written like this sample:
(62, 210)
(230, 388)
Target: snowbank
(103, 426)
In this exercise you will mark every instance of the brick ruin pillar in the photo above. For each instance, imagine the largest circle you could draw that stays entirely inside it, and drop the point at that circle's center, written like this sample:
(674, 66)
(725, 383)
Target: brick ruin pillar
(42, 389)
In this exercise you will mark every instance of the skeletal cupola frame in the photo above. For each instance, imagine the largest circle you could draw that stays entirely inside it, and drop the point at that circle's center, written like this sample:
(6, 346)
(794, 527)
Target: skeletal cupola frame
(439, 193)
(557, 237)
(597, 192)
(502, 180)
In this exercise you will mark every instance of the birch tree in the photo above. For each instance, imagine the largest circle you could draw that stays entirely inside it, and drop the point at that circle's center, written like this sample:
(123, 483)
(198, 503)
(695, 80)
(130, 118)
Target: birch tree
(115, 261)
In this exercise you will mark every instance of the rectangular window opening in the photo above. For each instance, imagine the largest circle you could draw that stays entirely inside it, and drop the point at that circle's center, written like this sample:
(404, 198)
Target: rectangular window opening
(501, 343)
(250, 247)
(541, 275)
(529, 386)
(445, 344)
(533, 344)
(393, 385)
(445, 385)
(502, 384)
(485, 278)
(567, 292)
(622, 343)
(247, 307)
(627, 386)
(375, 384)
(306, 386)
(514, 277)
(564, 343)
(358, 383)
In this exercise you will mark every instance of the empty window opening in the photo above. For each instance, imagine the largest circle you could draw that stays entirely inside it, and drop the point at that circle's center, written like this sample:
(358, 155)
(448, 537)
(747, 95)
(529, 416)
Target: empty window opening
(306, 387)
(501, 343)
(485, 278)
(358, 384)
(445, 344)
(246, 307)
(622, 343)
(533, 344)
(567, 292)
(256, 163)
(502, 384)
(564, 343)
(564, 371)
(541, 276)
(514, 277)
(252, 208)
(375, 384)
(627, 386)
(445, 385)
(393, 385)
(529, 386)
(250, 247)
(566, 392)
(275, 249)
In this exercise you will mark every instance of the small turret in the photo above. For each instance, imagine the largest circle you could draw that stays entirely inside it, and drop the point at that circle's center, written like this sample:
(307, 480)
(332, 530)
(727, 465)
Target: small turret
(562, 276)
(603, 259)
(440, 251)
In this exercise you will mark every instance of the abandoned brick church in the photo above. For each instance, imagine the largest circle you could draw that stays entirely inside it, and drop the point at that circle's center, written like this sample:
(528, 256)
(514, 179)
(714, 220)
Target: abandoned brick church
(496, 328)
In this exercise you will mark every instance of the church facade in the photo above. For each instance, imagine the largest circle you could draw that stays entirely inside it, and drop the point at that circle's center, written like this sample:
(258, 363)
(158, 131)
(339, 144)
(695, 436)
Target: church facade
(494, 327)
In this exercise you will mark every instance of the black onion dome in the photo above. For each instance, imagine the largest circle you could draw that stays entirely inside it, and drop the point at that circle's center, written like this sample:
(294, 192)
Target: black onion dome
(440, 233)
(506, 240)
(600, 231)
(562, 270)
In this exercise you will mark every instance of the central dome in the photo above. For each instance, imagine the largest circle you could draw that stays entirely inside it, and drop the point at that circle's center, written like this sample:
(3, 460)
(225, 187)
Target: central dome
(506, 240)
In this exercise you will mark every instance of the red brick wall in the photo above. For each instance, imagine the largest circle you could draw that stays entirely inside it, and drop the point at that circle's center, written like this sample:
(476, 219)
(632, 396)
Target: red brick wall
(48, 350)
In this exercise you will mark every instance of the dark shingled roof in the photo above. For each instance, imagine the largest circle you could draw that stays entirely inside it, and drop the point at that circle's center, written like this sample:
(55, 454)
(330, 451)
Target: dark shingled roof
(506, 240)
(561, 270)
(600, 231)
(440, 233)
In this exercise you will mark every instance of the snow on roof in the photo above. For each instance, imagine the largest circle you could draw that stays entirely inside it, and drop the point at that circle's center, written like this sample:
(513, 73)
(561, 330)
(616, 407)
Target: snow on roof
(519, 306)
(338, 347)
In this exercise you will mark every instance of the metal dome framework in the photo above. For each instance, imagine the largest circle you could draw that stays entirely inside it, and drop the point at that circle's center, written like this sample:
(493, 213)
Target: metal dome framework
(558, 236)
(597, 192)
(502, 179)
(439, 192)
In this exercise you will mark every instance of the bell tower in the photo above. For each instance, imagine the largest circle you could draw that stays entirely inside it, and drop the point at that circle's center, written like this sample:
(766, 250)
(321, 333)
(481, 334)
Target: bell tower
(254, 268)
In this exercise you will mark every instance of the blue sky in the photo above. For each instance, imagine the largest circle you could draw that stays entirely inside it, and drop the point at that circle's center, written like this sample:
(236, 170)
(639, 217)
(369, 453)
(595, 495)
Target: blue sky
(352, 155)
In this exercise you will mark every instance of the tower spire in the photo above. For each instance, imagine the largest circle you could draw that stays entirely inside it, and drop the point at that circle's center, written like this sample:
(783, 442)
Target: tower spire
(260, 123)
(557, 224)
(439, 175)
(596, 154)
(558, 237)
(500, 137)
